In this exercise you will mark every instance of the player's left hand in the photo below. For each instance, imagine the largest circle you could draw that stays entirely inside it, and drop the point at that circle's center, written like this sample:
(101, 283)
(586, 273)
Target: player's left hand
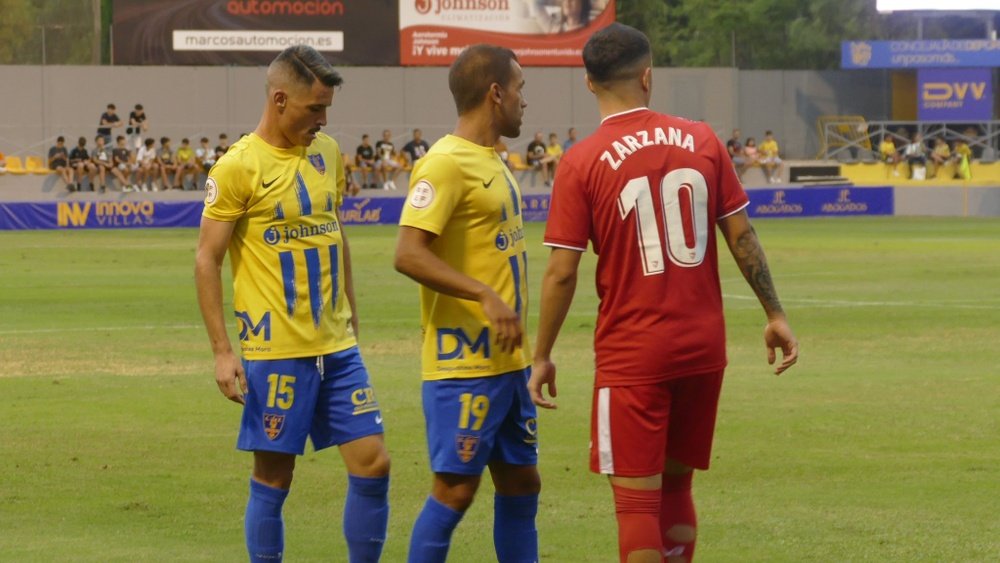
(778, 334)
(543, 372)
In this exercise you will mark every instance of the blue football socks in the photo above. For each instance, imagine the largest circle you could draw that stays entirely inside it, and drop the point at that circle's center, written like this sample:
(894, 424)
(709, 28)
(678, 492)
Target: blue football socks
(514, 534)
(265, 532)
(432, 532)
(366, 517)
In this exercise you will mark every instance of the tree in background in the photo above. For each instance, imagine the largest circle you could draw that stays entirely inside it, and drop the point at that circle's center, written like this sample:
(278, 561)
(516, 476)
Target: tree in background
(68, 30)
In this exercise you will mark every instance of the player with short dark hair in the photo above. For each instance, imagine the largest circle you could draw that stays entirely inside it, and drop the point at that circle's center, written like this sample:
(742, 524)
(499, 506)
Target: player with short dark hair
(461, 237)
(646, 190)
(272, 200)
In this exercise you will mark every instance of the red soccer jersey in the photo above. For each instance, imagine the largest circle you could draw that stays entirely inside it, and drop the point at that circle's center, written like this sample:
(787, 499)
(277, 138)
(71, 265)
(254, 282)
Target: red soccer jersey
(646, 189)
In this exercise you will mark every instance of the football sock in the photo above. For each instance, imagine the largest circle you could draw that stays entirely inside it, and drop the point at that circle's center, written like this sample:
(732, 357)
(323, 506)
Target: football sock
(677, 509)
(432, 532)
(366, 517)
(638, 513)
(514, 534)
(265, 532)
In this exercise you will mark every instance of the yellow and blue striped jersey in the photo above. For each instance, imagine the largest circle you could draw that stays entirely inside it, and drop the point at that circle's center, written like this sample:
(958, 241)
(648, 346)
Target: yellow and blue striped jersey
(465, 194)
(288, 268)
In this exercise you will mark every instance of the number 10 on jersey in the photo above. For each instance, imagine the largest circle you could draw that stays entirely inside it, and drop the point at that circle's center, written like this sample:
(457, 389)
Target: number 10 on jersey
(684, 197)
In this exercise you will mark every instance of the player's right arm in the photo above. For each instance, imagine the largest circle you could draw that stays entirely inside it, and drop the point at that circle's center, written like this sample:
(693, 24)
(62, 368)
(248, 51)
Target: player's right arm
(749, 255)
(558, 288)
(213, 241)
(415, 259)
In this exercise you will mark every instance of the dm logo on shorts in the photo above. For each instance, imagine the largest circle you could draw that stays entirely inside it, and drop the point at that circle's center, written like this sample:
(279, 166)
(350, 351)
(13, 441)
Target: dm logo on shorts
(273, 424)
(466, 447)
(317, 161)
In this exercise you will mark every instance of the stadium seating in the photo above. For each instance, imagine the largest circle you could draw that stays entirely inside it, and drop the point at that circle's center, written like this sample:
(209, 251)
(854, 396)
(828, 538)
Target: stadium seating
(15, 166)
(35, 165)
(519, 166)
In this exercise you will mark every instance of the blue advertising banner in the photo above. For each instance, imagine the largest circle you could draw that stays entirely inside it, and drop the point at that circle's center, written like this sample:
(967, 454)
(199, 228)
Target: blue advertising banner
(942, 53)
(955, 94)
(815, 201)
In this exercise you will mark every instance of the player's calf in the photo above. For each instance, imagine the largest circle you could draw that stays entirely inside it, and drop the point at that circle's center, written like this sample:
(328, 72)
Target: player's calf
(638, 513)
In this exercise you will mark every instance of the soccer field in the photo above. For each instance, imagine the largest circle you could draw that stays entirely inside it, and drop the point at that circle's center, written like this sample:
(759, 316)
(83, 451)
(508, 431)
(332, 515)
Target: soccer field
(882, 444)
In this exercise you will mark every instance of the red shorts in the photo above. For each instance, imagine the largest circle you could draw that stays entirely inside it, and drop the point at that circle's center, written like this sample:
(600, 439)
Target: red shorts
(635, 429)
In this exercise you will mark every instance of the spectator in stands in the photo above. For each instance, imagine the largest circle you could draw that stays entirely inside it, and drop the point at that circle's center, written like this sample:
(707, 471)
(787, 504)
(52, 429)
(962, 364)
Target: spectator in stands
(204, 156)
(364, 159)
(735, 149)
(145, 159)
(109, 121)
(416, 148)
(79, 160)
(103, 163)
(122, 165)
(137, 125)
(770, 158)
(554, 151)
(352, 189)
(537, 158)
(941, 155)
(222, 147)
(503, 152)
(3, 163)
(750, 152)
(186, 165)
(58, 161)
(915, 154)
(570, 139)
(386, 164)
(167, 163)
(888, 154)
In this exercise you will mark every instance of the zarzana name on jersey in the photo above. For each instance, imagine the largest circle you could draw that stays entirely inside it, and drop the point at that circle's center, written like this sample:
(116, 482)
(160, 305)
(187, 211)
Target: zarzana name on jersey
(630, 144)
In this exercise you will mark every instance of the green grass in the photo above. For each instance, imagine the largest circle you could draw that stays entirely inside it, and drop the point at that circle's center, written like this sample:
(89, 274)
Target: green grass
(882, 444)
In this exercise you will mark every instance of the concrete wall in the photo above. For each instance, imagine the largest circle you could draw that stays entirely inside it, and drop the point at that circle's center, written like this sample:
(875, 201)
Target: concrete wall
(38, 103)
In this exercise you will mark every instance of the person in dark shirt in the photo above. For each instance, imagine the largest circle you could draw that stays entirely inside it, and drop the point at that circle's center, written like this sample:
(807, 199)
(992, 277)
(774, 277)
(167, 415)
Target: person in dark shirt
(167, 163)
(109, 120)
(386, 164)
(222, 147)
(59, 161)
(137, 125)
(736, 154)
(416, 148)
(121, 158)
(101, 158)
(364, 158)
(79, 160)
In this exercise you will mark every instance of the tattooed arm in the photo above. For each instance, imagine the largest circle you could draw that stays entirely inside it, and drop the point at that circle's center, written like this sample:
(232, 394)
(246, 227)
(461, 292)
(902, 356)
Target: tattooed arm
(749, 256)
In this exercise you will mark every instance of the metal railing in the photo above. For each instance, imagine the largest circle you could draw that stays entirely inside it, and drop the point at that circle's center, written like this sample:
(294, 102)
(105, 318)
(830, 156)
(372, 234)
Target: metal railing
(848, 138)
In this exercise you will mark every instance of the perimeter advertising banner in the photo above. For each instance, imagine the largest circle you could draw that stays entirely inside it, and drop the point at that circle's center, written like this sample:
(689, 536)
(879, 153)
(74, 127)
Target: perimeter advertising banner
(941, 53)
(541, 32)
(252, 32)
(955, 94)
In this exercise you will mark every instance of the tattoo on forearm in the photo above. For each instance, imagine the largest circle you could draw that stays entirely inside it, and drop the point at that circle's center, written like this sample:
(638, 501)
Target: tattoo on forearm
(750, 257)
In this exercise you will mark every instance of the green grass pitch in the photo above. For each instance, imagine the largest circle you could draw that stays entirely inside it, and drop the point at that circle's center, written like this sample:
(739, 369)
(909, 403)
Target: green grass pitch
(882, 444)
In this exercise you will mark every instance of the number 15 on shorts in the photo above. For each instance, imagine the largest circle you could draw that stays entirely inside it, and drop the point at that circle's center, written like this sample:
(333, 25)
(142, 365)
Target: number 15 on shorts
(280, 391)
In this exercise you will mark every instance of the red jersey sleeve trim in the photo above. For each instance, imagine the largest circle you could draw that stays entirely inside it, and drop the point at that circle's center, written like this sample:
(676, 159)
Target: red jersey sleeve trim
(734, 211)
(566, 246)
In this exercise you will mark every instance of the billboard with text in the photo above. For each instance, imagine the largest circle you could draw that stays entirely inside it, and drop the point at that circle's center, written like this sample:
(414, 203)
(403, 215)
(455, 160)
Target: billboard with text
(252, 32)
(955, 94)
(540, 32)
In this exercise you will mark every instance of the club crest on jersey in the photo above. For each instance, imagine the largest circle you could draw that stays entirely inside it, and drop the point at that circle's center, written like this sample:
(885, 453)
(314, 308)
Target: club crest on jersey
(421, 195)
(466, 445)
(317, 161)
(273, 424)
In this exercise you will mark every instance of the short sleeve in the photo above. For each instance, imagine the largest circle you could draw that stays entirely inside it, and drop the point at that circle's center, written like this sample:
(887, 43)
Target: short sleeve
(731, 197)
(435, 191)
(570, 216)
(338, 169)
(227, 190)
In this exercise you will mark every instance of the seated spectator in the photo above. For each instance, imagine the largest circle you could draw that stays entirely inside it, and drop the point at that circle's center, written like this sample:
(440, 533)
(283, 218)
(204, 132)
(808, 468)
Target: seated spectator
(148, 169)
(58, 161)
(554, 150)
(750, 153)
(166, 162)
(417, 148)
(386, 164)
(941, 154)
(109, 120)
(570, 139)
(351, 187)
(204, 156)
(186, 166)
(538, 158)
(770, 158)
(503, 152)
(124, 165)
(222, 147)
(888, 154)
(735, 149)
(101, 157)
(137, 125)
(915, 154)
(79, 160)
(364, 159)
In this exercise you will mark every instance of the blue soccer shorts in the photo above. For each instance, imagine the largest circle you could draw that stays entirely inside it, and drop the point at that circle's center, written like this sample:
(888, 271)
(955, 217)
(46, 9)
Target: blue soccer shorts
(471, 422)
(329, 398)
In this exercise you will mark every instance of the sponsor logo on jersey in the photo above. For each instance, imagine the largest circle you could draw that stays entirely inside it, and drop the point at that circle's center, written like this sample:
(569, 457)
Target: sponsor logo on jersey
(318, 163)
(273, 424)
(248, 327)
(502, 241)
(273, 235)
(211, 191)
(466, 446)
(453, 342)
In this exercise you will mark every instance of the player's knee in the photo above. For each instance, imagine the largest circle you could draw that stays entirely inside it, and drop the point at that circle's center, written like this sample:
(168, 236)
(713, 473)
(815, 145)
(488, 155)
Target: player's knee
(455, 492)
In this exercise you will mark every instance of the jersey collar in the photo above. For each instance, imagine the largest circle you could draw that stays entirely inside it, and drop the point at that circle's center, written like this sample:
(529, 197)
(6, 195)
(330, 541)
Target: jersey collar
(628, 111)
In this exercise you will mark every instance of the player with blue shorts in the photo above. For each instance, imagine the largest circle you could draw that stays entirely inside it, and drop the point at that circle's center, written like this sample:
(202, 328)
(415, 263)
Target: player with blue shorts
(272, 203)
(462, 238)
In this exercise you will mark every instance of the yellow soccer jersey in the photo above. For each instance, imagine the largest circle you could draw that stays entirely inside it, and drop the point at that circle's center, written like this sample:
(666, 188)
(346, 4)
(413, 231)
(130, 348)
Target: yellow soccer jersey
(465, 194)
(286, 249)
